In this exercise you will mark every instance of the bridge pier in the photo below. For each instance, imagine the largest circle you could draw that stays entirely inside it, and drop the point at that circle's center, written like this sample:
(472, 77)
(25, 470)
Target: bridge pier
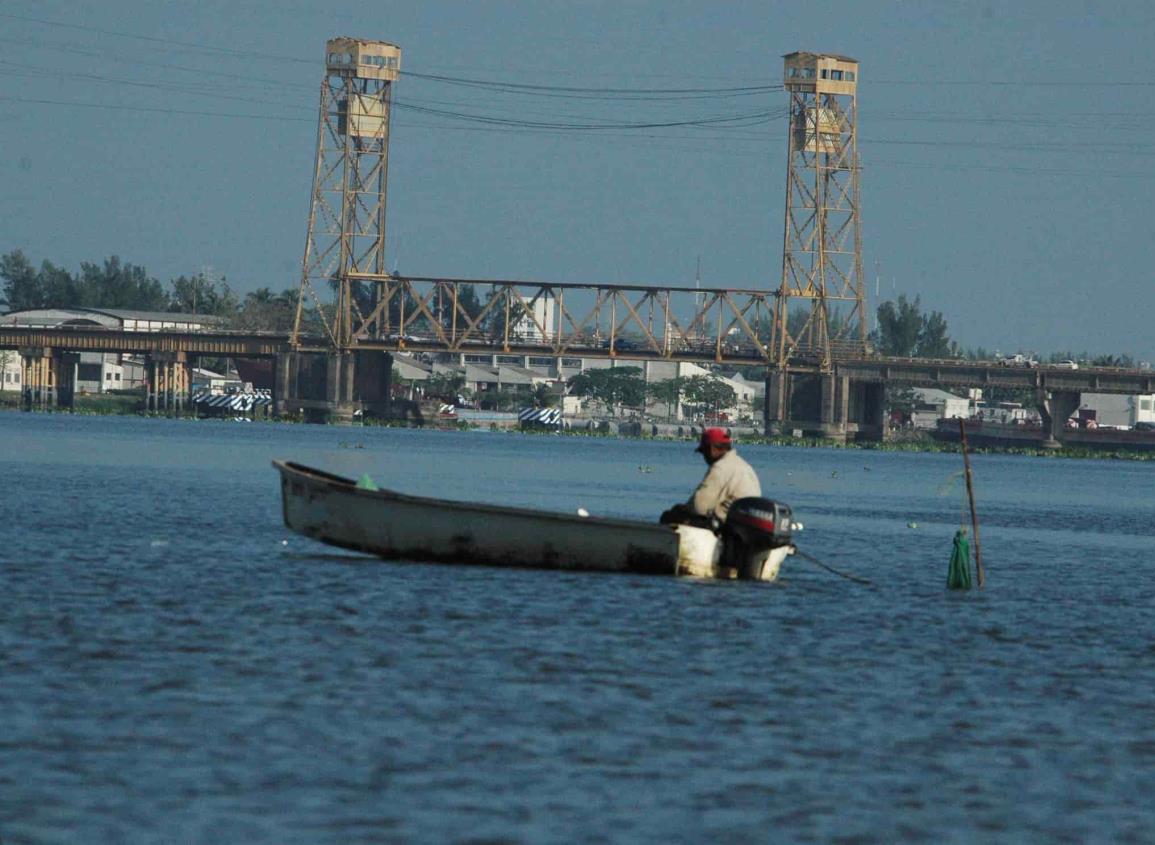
(333, 386)
(816, 405)
(38, 378)
(1056, 408)
(285, 380)
(168, 382)
(67, 365)
(871, 410)
(374, 383)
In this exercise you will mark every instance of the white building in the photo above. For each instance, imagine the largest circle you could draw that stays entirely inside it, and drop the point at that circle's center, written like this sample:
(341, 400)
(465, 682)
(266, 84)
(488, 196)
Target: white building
(112, 318)
(932, 405)
(10, 370)
(1119, 411)
(541, 327)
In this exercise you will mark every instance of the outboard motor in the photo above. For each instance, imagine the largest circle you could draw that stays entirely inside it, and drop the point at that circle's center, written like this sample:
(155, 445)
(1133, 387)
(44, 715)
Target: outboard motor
(753, 527)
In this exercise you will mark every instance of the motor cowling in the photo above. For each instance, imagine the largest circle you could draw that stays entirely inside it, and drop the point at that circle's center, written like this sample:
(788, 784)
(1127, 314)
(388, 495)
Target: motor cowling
(760, 522)
(753, 527)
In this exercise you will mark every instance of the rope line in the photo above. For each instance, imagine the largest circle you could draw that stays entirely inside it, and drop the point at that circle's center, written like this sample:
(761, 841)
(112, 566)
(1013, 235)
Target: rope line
(831, 569)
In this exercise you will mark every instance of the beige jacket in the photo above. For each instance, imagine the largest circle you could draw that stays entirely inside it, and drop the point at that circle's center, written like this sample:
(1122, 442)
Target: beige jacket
(727, 479)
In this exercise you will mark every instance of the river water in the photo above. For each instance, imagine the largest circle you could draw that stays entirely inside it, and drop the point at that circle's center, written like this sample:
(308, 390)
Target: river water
(176, 667)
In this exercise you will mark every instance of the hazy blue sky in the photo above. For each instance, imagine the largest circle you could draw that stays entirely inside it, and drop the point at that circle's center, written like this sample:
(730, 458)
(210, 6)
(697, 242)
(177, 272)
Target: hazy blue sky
(1007, 146)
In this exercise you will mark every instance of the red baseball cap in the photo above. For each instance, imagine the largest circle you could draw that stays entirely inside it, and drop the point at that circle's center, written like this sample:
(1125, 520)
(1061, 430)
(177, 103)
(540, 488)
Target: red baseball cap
(713, 437)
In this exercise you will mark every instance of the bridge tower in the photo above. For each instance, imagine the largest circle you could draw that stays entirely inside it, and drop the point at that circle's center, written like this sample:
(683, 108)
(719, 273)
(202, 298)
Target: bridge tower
(822, 243)
(347, 210)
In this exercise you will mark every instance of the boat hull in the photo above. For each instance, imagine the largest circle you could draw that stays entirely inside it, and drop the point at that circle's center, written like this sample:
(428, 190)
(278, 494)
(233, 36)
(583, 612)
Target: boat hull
(334, 510)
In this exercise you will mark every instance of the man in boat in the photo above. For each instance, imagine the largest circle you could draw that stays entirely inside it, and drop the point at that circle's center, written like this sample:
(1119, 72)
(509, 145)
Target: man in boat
(727, 479)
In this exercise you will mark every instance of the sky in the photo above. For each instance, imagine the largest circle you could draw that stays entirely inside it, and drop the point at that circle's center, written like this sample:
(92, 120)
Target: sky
(1007, 152)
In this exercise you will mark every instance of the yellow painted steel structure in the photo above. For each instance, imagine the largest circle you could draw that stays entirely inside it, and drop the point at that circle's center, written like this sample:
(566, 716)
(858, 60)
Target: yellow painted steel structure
(822, 240)
(618, 321)
(346, 231)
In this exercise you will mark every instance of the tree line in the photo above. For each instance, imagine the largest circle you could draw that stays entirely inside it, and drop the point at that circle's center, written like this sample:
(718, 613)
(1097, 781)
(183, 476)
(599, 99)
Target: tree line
(902, 327)
(118, 284)
(123, 285)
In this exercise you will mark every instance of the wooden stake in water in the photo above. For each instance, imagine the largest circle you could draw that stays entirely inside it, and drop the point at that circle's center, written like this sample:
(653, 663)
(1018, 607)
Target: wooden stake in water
(971, 498)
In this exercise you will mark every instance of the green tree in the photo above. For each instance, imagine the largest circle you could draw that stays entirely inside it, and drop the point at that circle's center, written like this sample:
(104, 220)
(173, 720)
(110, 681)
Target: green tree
(445, 386)
(899, 327)
(900, 398)
(62, 289)
(709, 392)
(544, 396)
(904, 331)
(265, 311)
(21, 282)
(668, 391)
(612, 386)
(1112, 361)
(201, 295)
(121, 285)
(933, 340)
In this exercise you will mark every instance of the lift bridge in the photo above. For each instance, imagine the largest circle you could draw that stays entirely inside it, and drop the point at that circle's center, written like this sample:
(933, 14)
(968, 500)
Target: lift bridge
(351, 313)
(347, 356)
(353, 316)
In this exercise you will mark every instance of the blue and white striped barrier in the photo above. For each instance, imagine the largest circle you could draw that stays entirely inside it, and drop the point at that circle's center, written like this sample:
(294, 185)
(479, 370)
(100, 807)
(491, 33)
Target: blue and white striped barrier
(242, 402)
(540, 416)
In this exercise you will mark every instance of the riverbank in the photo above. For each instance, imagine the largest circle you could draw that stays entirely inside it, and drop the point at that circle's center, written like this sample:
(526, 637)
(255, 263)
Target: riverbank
(130, 406)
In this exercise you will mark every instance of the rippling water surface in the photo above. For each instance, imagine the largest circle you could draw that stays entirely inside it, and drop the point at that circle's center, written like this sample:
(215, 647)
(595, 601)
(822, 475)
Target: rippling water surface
(176, 667)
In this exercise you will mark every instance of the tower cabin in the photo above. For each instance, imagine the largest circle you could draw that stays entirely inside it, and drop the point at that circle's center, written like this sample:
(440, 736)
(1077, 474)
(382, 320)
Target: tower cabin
(820, 73)
(364, 111)
(823, 88)
(363, 59)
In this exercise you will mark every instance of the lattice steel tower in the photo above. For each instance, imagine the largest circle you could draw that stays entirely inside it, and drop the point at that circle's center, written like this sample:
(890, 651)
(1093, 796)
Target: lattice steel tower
(347, 211)
(822, 244)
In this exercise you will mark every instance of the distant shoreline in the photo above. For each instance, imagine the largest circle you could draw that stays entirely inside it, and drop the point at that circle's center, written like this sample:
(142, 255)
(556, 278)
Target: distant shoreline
(916, 442)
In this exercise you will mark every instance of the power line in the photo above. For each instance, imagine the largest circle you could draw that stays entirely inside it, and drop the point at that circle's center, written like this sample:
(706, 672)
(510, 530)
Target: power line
(170, 41)
(154, 110)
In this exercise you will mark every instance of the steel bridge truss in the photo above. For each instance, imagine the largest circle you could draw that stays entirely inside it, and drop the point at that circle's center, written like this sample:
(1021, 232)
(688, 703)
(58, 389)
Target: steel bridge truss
(822, 249)
(556, 319)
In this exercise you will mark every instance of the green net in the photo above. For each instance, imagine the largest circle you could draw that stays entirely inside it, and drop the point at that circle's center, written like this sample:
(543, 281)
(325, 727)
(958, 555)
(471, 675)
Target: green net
(958, 574)
(366, 483)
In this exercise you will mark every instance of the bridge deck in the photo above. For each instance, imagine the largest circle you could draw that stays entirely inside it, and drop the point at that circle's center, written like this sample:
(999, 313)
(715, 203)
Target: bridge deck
(899, 371)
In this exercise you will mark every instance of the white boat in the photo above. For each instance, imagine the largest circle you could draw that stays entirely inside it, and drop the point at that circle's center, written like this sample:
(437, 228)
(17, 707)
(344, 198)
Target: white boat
(340, 512)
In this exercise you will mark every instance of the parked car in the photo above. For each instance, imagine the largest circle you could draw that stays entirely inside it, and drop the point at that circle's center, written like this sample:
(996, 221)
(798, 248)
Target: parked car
(1067, 364)
(1144, 425)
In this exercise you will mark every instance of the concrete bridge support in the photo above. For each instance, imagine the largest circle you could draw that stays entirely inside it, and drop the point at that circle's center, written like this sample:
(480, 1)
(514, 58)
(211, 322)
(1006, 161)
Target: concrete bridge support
(38, 374)
(867, 407)
(340, 371)
(374, 383)
(828, 405)
(795, 403)
(824, 405)
(169, 378)
(1056, 408)
(285, 379)
(67, 365)
(333, 387)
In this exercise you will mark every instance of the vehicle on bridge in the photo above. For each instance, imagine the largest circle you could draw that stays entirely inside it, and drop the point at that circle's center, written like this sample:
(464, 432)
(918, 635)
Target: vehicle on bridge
(1018, 360)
